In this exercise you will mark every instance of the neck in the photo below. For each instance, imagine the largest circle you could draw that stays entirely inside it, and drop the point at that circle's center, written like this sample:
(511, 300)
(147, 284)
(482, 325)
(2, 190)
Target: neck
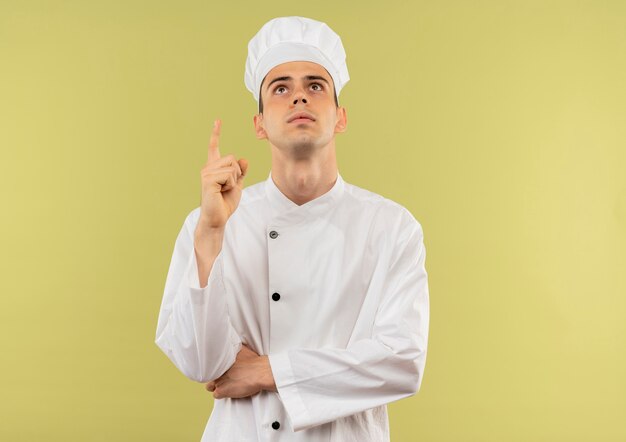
(303, 179)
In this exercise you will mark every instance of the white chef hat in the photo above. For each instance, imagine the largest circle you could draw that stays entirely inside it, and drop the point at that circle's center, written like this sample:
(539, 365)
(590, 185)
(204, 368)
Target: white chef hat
(285, 39)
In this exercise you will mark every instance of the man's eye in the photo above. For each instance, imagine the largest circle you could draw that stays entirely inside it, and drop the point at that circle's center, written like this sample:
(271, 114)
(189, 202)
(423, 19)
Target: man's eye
(313, 84)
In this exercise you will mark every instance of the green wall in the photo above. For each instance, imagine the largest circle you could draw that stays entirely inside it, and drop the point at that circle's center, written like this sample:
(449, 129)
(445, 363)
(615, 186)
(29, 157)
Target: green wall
(500, 125)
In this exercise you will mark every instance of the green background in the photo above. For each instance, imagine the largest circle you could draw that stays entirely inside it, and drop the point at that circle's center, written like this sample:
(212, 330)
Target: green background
(500, 125)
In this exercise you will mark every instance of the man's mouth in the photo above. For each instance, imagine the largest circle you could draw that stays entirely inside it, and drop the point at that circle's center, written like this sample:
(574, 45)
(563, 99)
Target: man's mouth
(301, 117)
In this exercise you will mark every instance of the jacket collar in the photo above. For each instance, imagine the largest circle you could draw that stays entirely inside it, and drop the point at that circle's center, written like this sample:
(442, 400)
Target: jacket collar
(285, 211)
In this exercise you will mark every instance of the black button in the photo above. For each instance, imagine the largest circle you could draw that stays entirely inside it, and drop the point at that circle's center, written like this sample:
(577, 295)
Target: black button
(275, 296)
(273, 234)
(276, 425)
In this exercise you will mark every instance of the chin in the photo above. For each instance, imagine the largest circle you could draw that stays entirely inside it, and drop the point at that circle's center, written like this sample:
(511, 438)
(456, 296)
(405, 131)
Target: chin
(299, 148)
(300, 144)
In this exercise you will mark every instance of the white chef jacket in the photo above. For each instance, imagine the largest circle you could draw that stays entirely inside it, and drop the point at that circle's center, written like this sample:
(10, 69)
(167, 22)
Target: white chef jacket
(334, 291)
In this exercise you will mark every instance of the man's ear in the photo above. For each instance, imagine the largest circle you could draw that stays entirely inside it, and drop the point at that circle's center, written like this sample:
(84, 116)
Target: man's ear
(258, 127)
(342, 120)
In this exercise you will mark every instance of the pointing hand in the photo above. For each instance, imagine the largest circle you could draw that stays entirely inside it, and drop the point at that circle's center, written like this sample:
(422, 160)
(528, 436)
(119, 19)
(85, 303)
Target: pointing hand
(222, 183)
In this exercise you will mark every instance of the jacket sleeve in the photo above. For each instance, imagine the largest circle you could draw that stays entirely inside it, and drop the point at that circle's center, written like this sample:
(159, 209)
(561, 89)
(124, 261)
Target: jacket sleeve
(194, 329)
(321, 385)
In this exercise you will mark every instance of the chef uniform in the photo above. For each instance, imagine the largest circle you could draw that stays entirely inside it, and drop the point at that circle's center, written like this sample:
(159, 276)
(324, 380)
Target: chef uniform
(334, 291)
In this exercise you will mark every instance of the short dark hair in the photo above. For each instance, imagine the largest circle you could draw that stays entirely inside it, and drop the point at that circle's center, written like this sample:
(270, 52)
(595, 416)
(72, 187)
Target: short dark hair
(261, 97)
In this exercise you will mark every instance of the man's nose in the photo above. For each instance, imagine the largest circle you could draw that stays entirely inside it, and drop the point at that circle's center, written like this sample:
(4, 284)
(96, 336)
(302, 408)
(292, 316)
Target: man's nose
(299, 95)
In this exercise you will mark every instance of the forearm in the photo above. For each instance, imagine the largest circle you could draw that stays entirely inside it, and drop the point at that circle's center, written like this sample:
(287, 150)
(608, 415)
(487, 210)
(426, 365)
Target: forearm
(207, 245)
(367, 375)
(197, 335)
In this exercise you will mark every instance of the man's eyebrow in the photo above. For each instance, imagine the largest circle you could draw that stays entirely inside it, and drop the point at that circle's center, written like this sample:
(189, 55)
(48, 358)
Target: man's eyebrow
(308, 77)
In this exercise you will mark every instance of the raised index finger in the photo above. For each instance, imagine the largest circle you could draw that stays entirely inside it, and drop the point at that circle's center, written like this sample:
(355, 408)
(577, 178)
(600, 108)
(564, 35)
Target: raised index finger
(214, 150)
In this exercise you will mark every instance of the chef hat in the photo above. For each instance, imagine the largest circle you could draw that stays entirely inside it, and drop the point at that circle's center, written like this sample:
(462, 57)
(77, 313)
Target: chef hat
(285, 39)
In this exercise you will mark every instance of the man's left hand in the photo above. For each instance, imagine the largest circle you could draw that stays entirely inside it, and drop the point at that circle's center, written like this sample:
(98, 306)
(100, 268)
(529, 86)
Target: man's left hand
(249, 375)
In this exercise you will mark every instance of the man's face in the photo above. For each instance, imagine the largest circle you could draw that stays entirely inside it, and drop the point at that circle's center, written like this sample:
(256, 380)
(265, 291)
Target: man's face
(308, 88)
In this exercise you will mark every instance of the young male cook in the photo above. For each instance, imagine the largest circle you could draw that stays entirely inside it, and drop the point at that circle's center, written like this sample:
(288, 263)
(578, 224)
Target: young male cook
(302, 301)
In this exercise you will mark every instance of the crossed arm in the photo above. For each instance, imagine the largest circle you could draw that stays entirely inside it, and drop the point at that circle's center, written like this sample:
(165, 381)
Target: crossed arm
(249, 375)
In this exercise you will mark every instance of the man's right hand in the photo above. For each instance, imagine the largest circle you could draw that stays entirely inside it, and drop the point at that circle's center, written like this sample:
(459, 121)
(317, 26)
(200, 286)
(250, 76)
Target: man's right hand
(222, 183)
